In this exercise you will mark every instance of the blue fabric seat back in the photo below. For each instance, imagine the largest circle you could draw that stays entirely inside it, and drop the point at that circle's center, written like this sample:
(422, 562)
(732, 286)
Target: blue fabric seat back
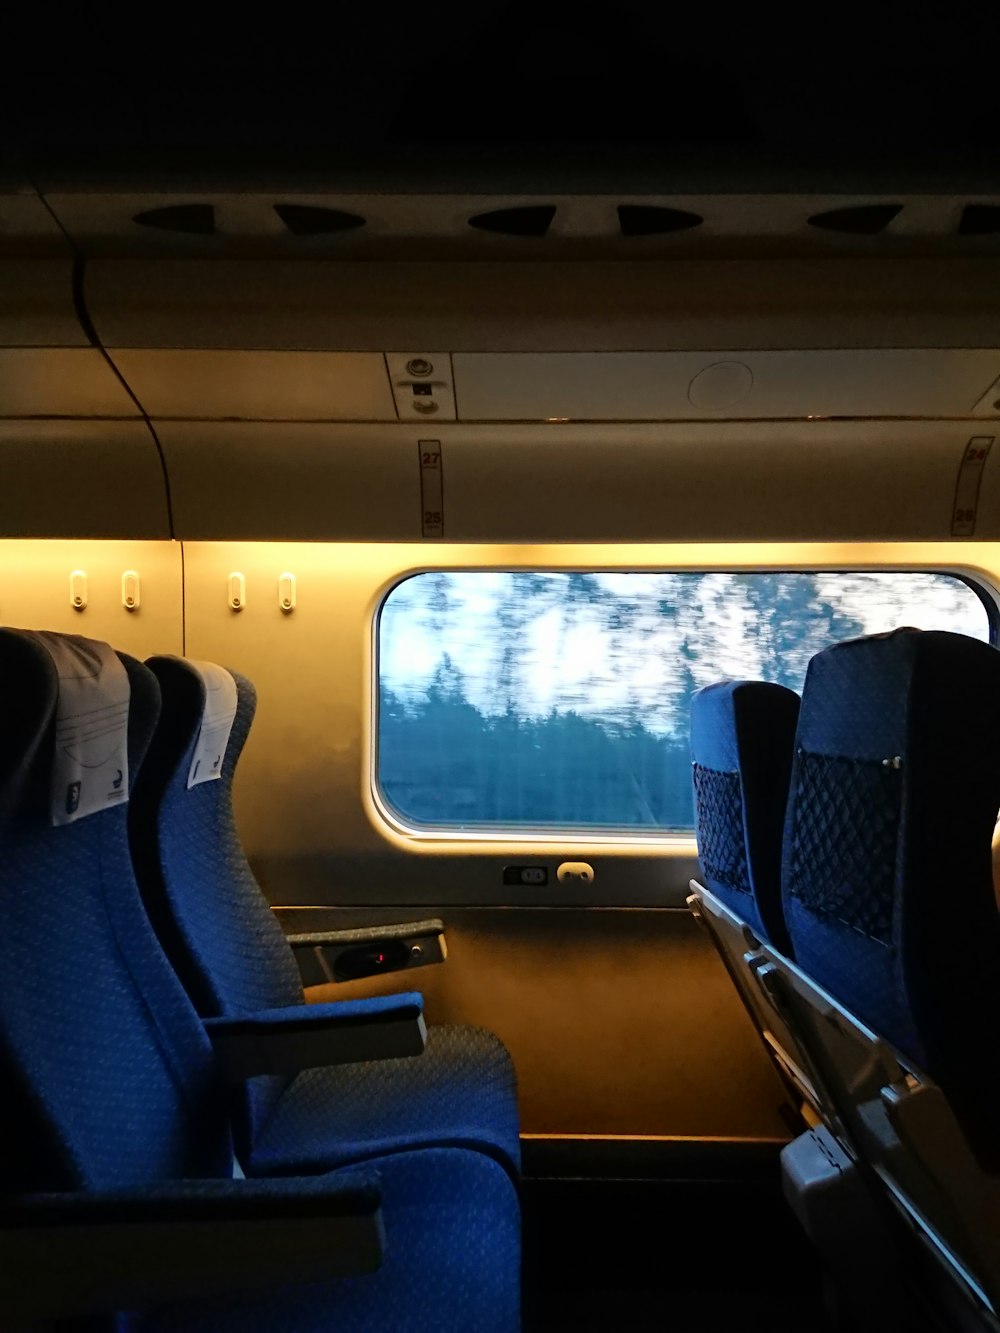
(108, 1072)
(199, 889)
(742, 735)
(887, 873)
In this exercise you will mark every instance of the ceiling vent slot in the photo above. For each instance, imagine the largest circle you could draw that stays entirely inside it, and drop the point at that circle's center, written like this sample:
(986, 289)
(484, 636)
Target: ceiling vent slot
(312, 220)
(655, 220)
(192, 219)
(980, 220)
(858, 220)
(528, 220)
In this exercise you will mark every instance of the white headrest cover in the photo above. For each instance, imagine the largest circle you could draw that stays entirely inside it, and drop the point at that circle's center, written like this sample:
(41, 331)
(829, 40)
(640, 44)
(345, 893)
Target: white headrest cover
(216, 723)
(90, 767)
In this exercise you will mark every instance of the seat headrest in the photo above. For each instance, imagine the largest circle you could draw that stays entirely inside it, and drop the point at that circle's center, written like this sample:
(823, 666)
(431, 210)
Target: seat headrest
(741, 746)
(31, 685)
(207, 714)
(218, 712)
(90, 765)
(71, 731)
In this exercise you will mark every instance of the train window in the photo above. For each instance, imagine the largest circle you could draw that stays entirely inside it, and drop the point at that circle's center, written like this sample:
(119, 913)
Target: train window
(540, 701)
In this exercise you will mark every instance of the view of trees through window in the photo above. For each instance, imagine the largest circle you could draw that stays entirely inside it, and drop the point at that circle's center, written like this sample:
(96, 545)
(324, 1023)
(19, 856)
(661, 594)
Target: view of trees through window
(540, 699)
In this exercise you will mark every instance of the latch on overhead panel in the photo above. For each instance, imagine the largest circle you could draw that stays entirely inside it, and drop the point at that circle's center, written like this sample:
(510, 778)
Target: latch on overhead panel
(422, 385)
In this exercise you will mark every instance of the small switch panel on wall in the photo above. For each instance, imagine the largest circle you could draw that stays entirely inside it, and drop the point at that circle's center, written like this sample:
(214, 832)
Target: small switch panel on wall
(422, 385)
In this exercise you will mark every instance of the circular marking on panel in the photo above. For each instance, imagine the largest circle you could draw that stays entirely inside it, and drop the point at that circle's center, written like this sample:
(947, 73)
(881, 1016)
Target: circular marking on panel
(721, 385)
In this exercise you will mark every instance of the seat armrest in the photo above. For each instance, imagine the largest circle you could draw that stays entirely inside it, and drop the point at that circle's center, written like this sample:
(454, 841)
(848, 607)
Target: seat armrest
(63, 1255)
(345, 955)
(283, 1041)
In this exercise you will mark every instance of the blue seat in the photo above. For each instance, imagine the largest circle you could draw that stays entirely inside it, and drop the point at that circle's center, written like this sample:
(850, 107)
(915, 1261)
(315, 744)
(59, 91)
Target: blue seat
(741, 748)
(234, 960)
(114, 1109)
(887, 874)
(742, 733)
(742, 743)
(888, 1139)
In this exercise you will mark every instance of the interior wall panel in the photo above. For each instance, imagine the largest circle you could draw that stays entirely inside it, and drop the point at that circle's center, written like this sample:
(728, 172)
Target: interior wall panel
(292, 481)
(722, 481)
(988, 497)
(27, 227)
(35, 591)
(677, 386)
(81, 479)
(619, 1022)
(36, 304)
(807, 481)
(600, 306)
(266, 386)
(60, 382)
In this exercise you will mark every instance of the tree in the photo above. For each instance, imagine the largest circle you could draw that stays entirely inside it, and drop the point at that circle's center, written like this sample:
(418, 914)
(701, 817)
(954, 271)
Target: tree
(791, 622)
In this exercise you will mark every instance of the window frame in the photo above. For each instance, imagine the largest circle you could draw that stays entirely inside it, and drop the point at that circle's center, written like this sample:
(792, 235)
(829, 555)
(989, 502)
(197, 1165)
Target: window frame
(493, 837)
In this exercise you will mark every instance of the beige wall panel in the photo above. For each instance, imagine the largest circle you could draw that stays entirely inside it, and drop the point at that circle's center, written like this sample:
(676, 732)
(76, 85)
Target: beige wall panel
(618, 1022)
(288, 482)
(27, 227)
(35, 591)
(81, 478)
(724, 481)
(60, 382)
(988, 501)
(269, 386)
(864, 481)
(298, 782)
(478, 307)
(679, 386)
(36, 303)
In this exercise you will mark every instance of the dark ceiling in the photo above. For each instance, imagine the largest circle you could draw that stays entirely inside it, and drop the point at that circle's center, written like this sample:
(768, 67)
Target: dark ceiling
(699, 96)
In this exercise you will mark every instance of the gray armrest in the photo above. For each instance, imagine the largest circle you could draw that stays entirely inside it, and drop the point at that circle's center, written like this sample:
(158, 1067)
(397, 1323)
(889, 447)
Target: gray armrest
(346, 955)
(302, 1036)
(72, 1254)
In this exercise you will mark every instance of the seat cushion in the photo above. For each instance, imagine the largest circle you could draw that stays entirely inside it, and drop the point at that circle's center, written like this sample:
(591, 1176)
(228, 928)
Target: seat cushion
(462, 1092)
(451, 1263)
